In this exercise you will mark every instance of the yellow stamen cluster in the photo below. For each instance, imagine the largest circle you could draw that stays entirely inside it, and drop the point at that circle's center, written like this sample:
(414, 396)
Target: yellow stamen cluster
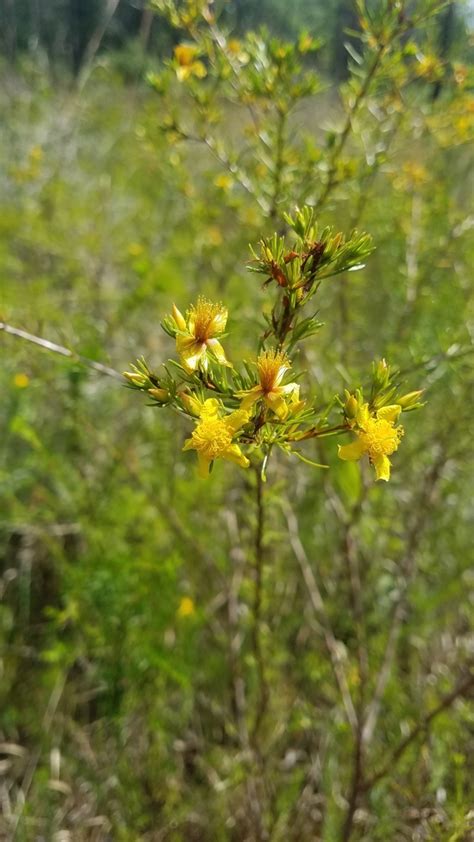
(211, 437)
(271, 366)
(197, 333)
(207, 319)
(380, 438)
(377, 436)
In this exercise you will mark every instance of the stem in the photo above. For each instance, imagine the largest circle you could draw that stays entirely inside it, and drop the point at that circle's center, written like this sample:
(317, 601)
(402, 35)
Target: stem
(263, 693)
(277, 175)
(321, 615)
(239, 691)
(356, 786)
(339, 146)
(60, 349)
(316, 434)
(422, 727)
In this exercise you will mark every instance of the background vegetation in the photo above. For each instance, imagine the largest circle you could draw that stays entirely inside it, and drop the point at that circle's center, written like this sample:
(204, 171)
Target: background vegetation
(130, 681)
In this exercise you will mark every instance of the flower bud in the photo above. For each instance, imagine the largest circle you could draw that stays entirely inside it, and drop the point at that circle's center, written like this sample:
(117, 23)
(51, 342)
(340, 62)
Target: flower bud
(381, 373)
(410, 399)
(351, 406)
(179, 318)
(135, 378)
(161, 395)
(190, 403)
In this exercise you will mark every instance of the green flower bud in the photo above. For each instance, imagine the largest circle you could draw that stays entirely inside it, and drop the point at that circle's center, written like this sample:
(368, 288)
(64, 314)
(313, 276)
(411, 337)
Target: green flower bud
(410, 399)
(351, 406)
(381, 373)
(135, 378)
(161, 395)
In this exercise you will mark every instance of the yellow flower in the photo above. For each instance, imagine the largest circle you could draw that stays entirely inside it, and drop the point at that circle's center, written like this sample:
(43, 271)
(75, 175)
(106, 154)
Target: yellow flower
(185, 56)
(272, 367)
(21, 380)
(224, 181)
(198, 332)
(135, 249)
(377, 436)
(186, 607)
(36, 153)
(213, 434)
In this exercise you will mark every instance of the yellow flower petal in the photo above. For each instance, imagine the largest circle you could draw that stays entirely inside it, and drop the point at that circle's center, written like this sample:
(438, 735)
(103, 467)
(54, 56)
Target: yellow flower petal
(289, 389)
(190, 351)
(203, 465)
(215, 346)
(277, 405)
(218, 322)
(351, 452)
(382, 467)
(389, 413)
(234, 454)
(249, 397)
(363, 415)
(236, 420)
(209, 408)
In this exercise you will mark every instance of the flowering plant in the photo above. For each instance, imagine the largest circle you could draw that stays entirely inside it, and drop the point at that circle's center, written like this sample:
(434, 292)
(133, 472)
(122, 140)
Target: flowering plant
(240, 414)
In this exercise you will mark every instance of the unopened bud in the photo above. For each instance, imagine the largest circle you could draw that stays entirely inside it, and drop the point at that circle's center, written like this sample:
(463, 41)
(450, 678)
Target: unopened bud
(410, 399)
(351, 406)
(161, 395)
(381, 373)
(134, 377)
(179, 318)
(193, 405)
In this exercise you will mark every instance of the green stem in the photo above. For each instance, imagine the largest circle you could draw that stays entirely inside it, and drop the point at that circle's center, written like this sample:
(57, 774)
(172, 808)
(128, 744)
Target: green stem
(340, 144)
(263, 693)
(278, 172)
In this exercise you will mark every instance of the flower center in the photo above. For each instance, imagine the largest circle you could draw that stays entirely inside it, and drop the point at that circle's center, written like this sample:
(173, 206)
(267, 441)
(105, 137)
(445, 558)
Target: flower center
(211, 437)
(206, 325)
(381, 438)
(271, 367)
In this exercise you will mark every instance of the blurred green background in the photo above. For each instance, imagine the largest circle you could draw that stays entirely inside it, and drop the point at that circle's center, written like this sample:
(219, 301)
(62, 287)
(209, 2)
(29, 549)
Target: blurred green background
(126, 582)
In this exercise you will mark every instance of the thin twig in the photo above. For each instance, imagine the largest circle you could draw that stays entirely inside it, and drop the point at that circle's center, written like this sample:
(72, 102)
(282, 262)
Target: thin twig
(408, 565)
(48, 718)
(343, 137)
(60, 349)
(95, 41)
(239, 695)
(356, 784)
(257, 608)
(421, 728)
(321, 614)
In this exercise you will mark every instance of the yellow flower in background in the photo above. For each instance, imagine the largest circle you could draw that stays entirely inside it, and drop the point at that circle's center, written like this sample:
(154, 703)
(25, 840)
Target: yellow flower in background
(186, 607)
(272, 367)
(377, 436)
(224, 181)
(413, 175)
(135, 249)
(213, 435)
(198, 334)
(21, 380)
(36, 153)
(187, 65)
